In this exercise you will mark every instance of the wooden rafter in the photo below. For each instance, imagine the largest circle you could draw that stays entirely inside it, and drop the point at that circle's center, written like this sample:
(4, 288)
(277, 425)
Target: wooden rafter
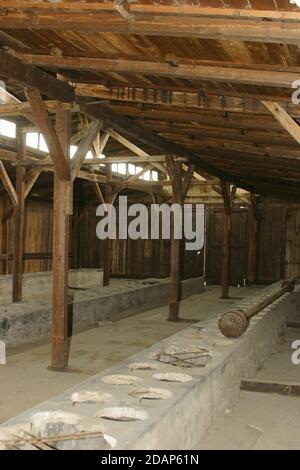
(135, 149)
(284, 119)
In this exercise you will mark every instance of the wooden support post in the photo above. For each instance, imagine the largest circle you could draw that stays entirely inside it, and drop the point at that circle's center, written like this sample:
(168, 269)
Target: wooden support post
(175, 277)
(252, 257)
(226, 240)
(110, 196)
(61, 213)
(175, 172)
(19, 210)
(186, 181)
(226, 257)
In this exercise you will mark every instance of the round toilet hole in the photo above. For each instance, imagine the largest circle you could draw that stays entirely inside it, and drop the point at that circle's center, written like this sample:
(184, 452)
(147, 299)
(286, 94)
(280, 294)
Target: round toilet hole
(143, 366)
(90, 396)
(172, 377)
(121, 379)
(122, 413)
(151, 393)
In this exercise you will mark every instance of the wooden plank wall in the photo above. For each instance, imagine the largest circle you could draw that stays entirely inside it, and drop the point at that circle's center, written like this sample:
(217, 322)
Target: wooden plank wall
(214, 245)
(278, 244)
(38, 236)
(293, 243)
(272, 243)
(85, 247)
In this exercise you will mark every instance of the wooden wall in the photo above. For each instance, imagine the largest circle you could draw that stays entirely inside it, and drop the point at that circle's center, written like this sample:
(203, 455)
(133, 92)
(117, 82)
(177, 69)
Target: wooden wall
(278, 244)
(214, 245)
(272, 243)
(38, 236)
(140, 258)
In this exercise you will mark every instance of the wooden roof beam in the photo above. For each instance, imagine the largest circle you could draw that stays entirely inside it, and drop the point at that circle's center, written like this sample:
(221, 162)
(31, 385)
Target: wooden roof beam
(13, 68)
(214, 26)
(140, 8)
(19, 108)
(248, 76)
(188, 99)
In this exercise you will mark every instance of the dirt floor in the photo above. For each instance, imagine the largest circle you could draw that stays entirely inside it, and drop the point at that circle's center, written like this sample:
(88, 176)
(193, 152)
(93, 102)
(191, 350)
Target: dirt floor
(25, 380)
(262, 421)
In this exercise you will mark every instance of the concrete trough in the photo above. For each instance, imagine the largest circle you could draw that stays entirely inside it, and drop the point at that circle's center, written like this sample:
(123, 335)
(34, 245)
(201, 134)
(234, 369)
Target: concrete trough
(89, 304)
(180, 417)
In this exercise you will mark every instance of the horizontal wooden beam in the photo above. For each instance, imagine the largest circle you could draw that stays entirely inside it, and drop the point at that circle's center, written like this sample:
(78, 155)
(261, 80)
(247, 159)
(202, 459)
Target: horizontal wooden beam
(18, 109)
(131, 159)
(249, 76)
(28, 256)
(148, 113)
(85, 175)
(280, 29)
(292, 324)
(271, 386)
(8, 155)
(13, 68)
(140, 8)
(187, 99)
